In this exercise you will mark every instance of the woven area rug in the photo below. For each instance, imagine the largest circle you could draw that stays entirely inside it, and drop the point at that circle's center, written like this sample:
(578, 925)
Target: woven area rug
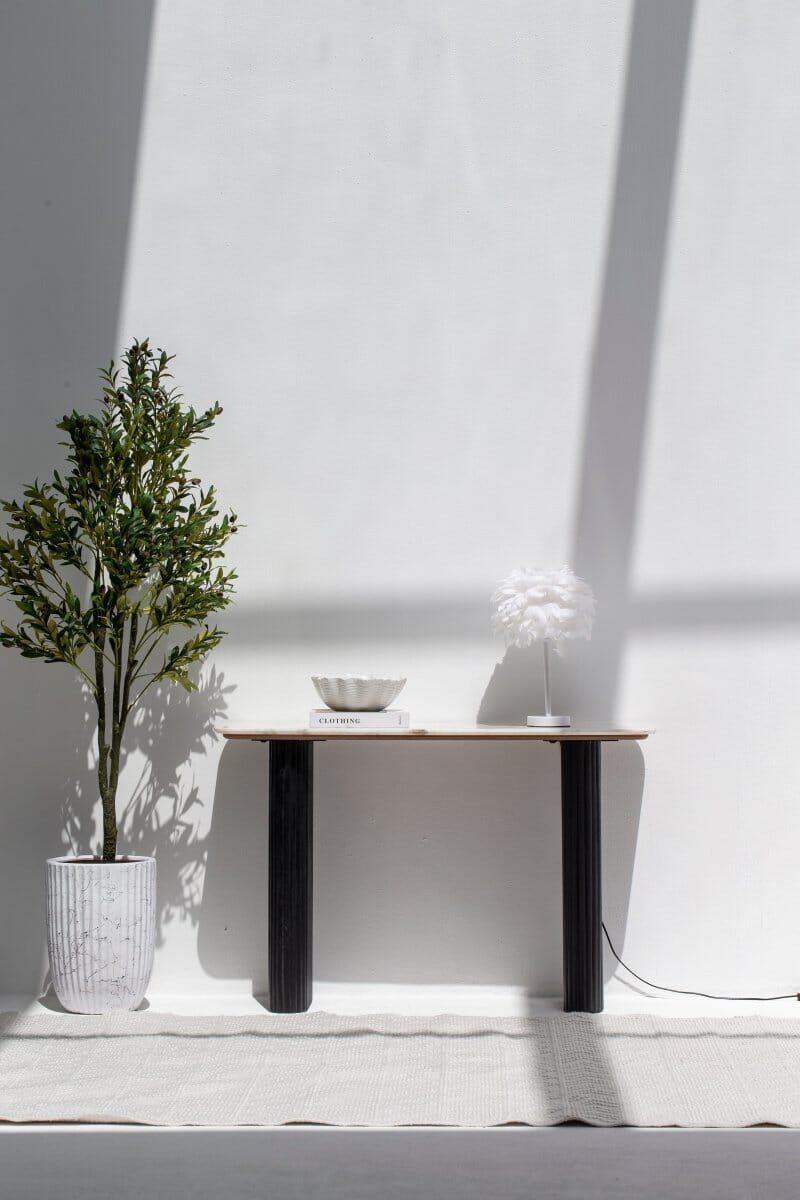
(385, 1070)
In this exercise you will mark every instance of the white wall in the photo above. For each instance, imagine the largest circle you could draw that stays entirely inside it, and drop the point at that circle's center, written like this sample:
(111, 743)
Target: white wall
(478, 284)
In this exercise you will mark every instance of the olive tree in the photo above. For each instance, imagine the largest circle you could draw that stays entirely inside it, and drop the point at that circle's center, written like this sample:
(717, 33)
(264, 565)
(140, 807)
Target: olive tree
(115, 565)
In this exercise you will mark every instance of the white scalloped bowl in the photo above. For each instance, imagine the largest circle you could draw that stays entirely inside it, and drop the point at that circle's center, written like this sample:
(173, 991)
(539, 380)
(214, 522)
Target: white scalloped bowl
(358, 693)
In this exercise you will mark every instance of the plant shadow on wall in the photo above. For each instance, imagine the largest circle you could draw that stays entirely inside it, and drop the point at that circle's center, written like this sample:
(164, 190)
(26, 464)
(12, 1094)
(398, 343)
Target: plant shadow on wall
(162, 812)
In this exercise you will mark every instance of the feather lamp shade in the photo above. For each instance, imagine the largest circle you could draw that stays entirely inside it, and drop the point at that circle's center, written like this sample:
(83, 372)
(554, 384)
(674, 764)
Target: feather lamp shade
(548, 605)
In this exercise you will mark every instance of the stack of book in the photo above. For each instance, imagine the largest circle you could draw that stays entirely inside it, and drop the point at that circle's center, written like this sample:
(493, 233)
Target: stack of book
(389, 718)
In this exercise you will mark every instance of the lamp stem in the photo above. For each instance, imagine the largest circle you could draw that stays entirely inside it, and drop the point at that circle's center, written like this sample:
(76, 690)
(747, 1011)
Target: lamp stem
(547, 676)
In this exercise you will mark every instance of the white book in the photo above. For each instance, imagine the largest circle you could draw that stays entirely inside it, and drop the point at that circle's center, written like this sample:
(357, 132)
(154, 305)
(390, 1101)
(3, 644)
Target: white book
(390, 718)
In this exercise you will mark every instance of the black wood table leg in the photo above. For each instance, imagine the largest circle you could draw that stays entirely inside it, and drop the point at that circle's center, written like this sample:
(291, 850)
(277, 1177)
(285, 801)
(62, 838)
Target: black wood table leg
(580, 848)
(291, 807)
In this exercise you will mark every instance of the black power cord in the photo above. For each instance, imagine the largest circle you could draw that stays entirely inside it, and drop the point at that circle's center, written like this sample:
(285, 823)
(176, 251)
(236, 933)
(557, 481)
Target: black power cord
(684, 992)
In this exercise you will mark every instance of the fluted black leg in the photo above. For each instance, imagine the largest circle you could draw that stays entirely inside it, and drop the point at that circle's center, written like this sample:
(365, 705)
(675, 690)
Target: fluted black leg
(581, 881)
(291, 806)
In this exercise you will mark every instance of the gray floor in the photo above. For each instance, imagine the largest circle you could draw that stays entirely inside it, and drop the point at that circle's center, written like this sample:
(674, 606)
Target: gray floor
(301, 1163)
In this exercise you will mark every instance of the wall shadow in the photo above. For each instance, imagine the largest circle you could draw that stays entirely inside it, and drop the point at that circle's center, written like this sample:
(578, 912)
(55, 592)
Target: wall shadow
(433, 864)
(625, 344)
(718, 609)
(618, 388)
(623, 770)
(618, 398)
(232, 935)
(42, 720)
(163, 815)
(432, 617)
(72, 82)
(586, 678)
(438, 864)
(516, 688)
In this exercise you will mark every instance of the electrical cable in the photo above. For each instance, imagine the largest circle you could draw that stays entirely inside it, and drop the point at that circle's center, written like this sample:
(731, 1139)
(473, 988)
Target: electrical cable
(683, 991)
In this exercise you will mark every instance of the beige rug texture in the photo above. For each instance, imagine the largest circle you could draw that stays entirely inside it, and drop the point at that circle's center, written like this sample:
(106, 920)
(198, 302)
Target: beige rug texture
(150, 1069)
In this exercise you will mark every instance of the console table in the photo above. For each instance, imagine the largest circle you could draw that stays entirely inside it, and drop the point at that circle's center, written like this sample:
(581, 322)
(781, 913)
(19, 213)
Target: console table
(291, 788)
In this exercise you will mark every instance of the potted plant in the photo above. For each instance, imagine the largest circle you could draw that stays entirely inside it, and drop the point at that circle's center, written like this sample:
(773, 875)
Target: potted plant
(115, 567)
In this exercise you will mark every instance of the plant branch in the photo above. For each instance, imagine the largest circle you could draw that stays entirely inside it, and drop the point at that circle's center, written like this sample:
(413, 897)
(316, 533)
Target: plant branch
(129, 670)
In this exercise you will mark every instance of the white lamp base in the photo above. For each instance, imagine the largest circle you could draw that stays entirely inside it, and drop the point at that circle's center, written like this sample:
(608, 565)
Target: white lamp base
(548, 722)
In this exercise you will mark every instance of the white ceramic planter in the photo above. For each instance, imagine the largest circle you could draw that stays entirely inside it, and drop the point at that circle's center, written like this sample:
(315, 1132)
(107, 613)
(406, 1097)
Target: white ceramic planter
(101, 931)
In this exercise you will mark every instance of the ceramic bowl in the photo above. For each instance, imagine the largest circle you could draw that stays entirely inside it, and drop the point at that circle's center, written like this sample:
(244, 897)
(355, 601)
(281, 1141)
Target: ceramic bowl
(358, 693)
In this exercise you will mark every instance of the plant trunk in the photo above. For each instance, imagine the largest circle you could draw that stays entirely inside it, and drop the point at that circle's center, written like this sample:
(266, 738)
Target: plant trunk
(109, 825)
(109, 756)
(109, 796)
(107, 782)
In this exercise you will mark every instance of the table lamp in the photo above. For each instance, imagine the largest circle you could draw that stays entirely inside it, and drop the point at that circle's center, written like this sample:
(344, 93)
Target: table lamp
(547, 605)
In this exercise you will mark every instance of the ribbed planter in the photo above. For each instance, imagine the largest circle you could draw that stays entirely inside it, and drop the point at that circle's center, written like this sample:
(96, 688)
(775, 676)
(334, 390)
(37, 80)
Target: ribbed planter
(101, 931)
